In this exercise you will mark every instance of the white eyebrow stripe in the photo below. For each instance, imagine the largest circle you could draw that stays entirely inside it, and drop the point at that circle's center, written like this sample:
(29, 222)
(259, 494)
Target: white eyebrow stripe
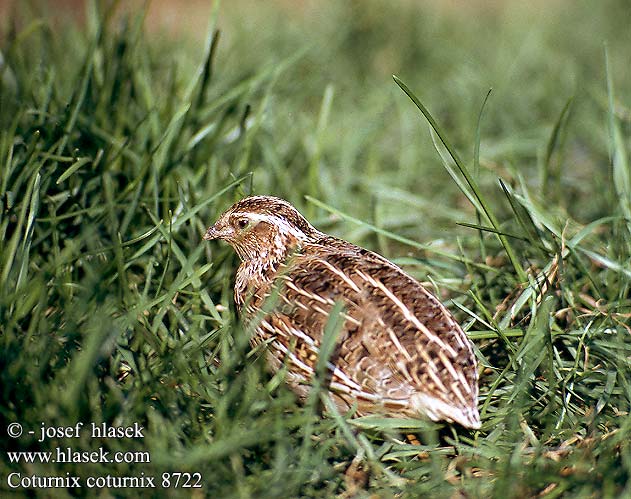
(281, 223)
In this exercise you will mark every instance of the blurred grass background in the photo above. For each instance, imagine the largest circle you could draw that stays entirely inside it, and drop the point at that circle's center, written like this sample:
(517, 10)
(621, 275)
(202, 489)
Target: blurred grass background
(125, 132)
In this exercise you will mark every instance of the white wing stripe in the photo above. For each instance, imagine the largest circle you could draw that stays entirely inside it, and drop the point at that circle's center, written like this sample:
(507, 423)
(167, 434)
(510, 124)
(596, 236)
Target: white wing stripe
(407, 314)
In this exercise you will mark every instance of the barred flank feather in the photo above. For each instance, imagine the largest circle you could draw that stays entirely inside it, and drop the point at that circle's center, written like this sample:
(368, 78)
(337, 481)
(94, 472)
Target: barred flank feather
(400, 352)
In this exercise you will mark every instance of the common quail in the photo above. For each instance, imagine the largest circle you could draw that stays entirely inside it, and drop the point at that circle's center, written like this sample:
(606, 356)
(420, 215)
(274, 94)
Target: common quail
(399, 352)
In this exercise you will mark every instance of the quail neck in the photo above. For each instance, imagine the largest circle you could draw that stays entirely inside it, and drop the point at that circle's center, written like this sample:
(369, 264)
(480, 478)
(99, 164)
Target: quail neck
(399, 351)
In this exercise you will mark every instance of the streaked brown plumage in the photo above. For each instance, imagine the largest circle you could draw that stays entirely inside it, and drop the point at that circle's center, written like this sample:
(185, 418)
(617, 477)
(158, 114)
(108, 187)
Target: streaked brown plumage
(399, 351)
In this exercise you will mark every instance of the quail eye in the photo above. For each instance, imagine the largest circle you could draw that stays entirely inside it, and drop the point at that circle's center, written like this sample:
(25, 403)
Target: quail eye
(242, 223)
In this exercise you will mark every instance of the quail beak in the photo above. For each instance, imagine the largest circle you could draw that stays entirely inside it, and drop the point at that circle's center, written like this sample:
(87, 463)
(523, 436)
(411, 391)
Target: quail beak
(212, 233)
(219, 231)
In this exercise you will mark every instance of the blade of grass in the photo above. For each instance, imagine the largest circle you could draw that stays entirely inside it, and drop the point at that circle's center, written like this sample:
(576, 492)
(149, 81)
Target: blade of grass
(478, 133)
(314, 164)
(475, 194)
(550, 171)
(483, 228)
(396, 237)
(10, 254)
(525, 221)
(28, 231)
(618, 152)
(78, 164)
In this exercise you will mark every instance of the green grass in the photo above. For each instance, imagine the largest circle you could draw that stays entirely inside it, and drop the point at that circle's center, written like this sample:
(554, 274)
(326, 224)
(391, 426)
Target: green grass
(118, 148)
